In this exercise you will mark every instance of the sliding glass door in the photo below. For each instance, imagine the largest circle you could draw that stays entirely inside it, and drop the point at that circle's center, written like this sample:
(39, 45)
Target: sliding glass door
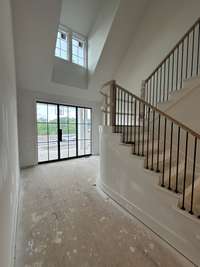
(63, 132)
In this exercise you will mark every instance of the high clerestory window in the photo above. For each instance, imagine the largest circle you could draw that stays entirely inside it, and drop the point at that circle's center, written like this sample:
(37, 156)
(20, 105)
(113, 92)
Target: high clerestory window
(62, 46)
(71, 46)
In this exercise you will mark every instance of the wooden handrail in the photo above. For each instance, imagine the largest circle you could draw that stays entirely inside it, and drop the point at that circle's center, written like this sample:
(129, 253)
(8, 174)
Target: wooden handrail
(108, 83)
(195, 134)
(186, 128)
(103, 94)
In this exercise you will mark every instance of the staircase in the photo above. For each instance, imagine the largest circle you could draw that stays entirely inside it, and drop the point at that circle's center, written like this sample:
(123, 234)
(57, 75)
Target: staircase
(168, 146)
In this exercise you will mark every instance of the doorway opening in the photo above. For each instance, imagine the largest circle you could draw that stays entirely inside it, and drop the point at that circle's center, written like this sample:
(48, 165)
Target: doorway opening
(63, 132)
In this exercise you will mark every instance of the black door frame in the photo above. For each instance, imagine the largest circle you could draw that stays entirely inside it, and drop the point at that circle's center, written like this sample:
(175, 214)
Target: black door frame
(58, 129)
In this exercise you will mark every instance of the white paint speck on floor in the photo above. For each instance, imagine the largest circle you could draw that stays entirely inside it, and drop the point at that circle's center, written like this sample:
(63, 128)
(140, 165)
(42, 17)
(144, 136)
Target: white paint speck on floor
(63, 221)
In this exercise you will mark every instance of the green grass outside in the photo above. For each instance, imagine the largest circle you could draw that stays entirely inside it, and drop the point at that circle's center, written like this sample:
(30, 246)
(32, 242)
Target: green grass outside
(52, 128)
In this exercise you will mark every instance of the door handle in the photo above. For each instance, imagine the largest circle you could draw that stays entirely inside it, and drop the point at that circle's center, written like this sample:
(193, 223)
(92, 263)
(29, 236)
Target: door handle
(60, 135)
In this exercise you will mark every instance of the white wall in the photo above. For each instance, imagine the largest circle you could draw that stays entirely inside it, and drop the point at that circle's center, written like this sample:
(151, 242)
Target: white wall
(9, 172)
(68, 73)
(162, 25)
(99, 32)
(187, 108)
(27, 122)
(124, 178)
(124, 25)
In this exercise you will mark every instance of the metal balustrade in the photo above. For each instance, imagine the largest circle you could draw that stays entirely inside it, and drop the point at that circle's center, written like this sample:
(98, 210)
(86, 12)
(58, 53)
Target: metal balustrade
(181, 63)
(167, 145)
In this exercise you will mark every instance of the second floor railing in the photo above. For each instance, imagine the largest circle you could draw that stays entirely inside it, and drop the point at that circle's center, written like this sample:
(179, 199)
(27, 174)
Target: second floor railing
(181, 63)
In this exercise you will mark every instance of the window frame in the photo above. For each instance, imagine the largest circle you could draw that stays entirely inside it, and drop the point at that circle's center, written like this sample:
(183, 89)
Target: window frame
(60, 30)
(79, 38)
(70, 36)
(87, 140)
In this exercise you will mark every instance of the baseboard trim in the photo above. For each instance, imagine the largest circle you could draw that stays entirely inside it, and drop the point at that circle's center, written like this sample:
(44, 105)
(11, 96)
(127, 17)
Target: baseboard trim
(14, 228)
(142, 217)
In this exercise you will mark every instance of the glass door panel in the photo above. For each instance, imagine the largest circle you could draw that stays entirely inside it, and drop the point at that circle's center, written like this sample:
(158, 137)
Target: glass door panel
(63, 131)
(64, 141)
(63, 126)
(84, 131)
(72, 132)
(47, 137)
(53, 131)
(68, 126)
(42, 140)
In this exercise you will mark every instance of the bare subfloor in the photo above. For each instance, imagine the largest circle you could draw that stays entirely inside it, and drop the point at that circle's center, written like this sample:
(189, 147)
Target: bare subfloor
(64, 221)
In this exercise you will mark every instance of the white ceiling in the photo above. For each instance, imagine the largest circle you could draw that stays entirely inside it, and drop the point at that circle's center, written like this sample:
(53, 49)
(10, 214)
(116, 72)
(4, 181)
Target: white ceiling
(80, 15)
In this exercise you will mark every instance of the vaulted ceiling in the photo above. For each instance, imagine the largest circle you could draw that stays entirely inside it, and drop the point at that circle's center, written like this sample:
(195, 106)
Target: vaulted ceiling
(80, 15)
(110, 29)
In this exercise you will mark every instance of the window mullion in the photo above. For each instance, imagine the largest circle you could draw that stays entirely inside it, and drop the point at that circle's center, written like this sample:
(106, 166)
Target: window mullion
(85, 54)
(70, 46)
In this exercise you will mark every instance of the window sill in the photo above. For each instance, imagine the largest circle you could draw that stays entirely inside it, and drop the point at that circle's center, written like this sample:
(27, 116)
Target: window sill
(70, 62)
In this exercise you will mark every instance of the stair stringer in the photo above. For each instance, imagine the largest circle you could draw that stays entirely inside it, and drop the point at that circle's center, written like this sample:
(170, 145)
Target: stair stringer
(153, 146)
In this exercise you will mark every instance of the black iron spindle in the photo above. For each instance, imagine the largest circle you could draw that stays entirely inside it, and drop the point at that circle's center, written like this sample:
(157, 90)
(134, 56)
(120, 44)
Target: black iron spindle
(193, 175)
(113, 102)
(147, 156)
(177, 67)
(192, 59)
(186, 65)
(153, 80)
(131, 130)
(164, 82)
(170, 157)
(143, 129)
(172, 85)
(168, 70)
(139, 129)
(121, 114)
(150, 89)
(118, 110)
(164, 147)
(160, 83)
(185, 171)
(124, 116)
(127, 134)
(153, 128)
(135, 125)
(177, 160)
(198, 44)
(158, 150)
(157, 88)
(182, 55)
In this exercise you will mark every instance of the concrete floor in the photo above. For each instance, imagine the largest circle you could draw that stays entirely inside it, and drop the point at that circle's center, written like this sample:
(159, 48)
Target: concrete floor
(65, 221)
